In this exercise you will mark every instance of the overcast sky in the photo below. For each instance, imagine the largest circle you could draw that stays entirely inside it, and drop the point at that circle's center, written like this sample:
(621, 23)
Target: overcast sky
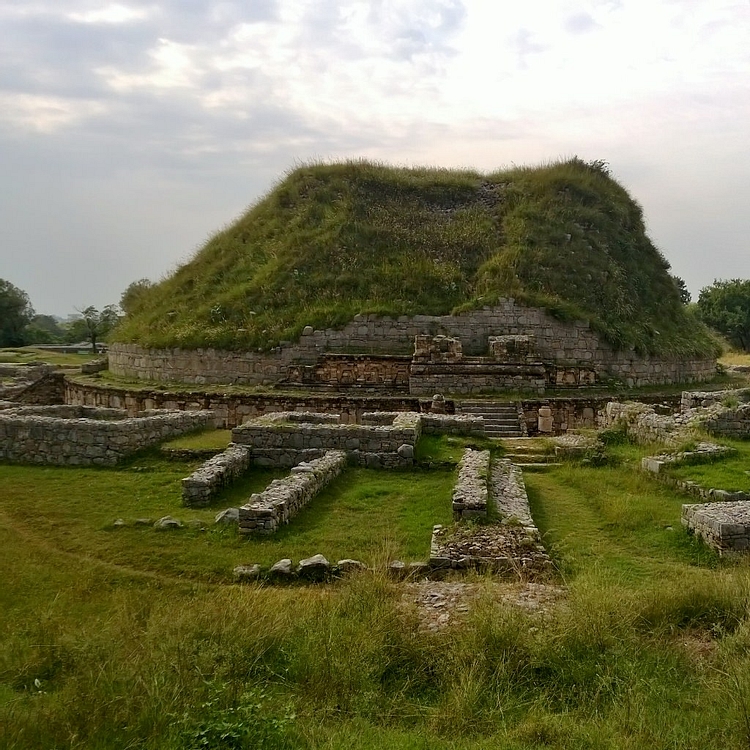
(132, 131)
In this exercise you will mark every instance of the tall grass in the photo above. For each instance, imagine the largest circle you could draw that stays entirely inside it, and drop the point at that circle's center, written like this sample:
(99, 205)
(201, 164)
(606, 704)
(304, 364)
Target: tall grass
(649, 647)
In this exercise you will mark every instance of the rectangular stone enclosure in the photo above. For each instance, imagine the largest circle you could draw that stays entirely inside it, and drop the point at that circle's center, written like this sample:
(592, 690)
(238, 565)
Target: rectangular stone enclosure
(723, 526)
(86, 436)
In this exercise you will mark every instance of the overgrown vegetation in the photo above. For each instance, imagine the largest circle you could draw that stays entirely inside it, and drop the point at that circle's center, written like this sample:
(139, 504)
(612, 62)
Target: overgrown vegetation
(118, 638)
(331, 241)
(731, 473)
(725, 305)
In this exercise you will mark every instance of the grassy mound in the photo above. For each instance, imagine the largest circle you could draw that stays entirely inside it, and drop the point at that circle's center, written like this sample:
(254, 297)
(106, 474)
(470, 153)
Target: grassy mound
(331, 241)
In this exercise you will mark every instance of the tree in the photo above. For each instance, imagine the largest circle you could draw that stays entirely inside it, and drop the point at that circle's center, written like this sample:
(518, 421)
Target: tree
(95, 324)
(725, 306)
(132, 297)
(684, 292)
(44, 329)
(15, 313)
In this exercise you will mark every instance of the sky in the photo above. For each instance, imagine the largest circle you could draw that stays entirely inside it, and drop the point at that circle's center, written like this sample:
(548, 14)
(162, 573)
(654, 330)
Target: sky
(132, 131)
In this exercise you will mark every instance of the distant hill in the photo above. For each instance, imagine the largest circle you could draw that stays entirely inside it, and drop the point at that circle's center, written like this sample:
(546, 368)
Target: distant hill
(331, 241)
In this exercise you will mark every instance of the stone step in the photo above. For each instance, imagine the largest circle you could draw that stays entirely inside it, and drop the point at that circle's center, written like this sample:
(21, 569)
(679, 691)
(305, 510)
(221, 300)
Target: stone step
(488, 410)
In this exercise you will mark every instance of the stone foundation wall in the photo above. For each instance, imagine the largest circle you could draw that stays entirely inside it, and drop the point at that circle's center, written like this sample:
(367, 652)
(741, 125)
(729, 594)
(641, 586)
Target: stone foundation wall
(234, 409)
(283, 440)
(76, 436)
(355, 371)
(733, 423)
(471, 493)
(561, 343)
(284, 498)
(218, 472)
(723, 526)
(567, 414)
(644, 425)
(697, 399)
(469, 378)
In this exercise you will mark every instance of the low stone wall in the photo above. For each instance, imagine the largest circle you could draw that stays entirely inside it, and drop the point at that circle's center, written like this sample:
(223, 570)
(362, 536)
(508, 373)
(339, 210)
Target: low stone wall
(511, 545)
(354, 371)
(564, 344)
(471, 378)
(449, 424)
(723, 526)
(218, 472)
(697, 399)
(276, 440)
(453, 424)
(284, 498)
(78, 436)
(234, 409)
(471, 491)
(644, 425)
(49, 389)
(702, 453)
(732, 423)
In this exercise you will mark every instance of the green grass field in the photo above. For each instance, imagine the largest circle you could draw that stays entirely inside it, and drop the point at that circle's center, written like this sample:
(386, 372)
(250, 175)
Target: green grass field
(731, 473)
(133, 638)
(32, 355)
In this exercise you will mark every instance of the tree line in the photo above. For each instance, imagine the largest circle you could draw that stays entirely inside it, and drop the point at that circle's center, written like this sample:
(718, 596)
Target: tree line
(724, 306)
(20, 325)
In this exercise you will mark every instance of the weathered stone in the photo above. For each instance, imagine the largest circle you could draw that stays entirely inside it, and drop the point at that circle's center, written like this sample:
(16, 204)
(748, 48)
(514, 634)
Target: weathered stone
(228, 516)
(167, 522)
(315, 568)
(350, 566)
(84, 436)
(243, 573)
(398, 570)
(281, 569)
(406, 451)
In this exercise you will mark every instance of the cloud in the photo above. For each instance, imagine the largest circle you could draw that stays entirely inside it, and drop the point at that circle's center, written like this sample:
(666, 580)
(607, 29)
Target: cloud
(111, 14)
(161, 101)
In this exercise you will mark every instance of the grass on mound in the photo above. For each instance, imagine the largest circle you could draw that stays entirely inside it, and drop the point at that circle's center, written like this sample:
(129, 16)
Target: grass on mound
(114, 648)
(331, 241)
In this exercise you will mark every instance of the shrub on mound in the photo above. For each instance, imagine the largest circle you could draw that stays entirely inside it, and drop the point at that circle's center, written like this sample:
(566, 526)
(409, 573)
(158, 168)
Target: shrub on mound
(331, 241)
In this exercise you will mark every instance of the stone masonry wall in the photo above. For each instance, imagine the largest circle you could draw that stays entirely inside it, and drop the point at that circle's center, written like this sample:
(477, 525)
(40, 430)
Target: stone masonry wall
(77, 436)
(723, 526)
(734, 423)
(471, 492)
(284, 498)
(571, 343)
(355, 371)
(234, 409)
(644, 425)
(285, 439)
(211, 477)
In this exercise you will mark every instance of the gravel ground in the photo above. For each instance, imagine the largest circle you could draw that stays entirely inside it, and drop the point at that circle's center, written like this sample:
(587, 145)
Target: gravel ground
(440, 604)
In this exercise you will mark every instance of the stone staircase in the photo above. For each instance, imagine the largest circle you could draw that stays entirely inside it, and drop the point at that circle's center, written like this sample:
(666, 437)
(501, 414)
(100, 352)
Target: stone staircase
(501, 418)
(537, 453)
